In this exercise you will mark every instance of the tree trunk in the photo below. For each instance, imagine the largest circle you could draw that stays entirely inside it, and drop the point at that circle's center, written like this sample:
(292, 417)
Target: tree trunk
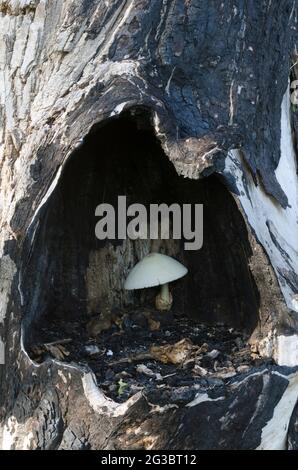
(207, 83)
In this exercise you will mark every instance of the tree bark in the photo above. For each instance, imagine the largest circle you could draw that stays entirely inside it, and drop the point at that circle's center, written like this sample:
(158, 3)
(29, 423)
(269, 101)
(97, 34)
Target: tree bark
(214, 79)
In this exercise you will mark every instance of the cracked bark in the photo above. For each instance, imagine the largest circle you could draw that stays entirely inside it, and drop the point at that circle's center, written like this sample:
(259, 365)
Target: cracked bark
(214, 79)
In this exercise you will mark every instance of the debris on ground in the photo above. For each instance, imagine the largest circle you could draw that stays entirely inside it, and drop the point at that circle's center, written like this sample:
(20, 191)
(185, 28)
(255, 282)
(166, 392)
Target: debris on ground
(176, 353)
(142, 369)
(213, 354)
(55, 349)
(92, 349)
(153, 324)
(167, 356)
(198, 370)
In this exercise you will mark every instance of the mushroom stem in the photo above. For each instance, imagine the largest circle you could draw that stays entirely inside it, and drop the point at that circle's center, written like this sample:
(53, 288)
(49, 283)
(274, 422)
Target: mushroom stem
(164, 299)
(165, 293)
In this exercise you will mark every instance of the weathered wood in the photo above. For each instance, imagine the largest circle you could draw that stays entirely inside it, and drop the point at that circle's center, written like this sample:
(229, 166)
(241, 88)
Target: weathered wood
(213, 77)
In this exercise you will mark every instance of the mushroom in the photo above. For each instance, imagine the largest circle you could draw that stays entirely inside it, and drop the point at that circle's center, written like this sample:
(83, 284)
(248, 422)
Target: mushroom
(153, 270)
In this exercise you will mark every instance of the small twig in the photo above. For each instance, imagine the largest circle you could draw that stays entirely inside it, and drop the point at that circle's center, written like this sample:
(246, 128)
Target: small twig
(169, 375)
(138, 357)
(61, 341)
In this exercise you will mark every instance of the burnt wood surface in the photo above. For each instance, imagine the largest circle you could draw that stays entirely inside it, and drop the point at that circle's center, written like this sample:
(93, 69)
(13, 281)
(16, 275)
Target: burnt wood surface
(212, 76)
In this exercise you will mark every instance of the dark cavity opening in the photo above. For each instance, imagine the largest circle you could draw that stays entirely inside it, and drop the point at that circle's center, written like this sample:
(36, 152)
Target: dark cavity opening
(75, 276)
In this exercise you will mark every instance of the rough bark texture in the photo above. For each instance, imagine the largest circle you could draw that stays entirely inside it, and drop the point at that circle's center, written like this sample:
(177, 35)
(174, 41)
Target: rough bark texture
(214, 78)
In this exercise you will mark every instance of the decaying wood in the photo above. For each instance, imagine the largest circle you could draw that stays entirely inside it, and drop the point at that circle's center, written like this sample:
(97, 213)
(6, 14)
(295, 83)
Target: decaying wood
(213, 78)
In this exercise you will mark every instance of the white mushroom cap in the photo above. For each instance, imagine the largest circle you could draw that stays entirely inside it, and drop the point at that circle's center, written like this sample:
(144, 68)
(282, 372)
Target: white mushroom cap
(153, 270)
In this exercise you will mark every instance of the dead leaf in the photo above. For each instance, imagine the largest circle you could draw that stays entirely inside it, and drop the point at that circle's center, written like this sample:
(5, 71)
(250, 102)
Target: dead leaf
(176, 353)
(55, 348)
(58, 351)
